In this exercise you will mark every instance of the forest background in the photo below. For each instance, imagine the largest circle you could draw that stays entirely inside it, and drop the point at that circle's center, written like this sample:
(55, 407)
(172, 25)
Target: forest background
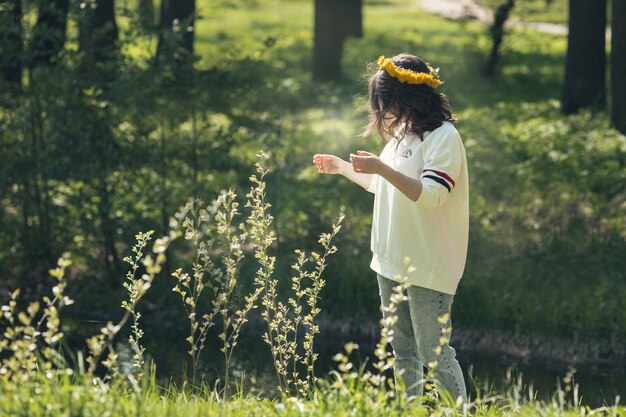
(113, 116)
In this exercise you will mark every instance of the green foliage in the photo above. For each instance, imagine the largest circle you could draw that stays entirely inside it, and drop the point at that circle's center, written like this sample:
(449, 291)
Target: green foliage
(36, 379)
(86, 162)
(137, 288)
(27, 350)
(547, 214)
(210, 230)
(291, 358)
(24, 391)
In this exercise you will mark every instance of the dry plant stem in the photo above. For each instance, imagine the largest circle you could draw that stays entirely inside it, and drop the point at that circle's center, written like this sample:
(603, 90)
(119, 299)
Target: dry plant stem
(233, 240)
(262, 237)
(283, 325)
(435, 391)
(240, 320)
(8, 314)
(215, 227)
(99, 343)
(231, 259)
(296, 303)
(21, 337)
(374, 383)
(312, 295)
(53, 335)
(190, 289)
(385, 358)
(134, 288)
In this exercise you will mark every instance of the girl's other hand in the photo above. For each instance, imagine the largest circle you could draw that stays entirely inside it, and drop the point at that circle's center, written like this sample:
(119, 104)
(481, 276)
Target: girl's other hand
(328, 164)
(366, 163)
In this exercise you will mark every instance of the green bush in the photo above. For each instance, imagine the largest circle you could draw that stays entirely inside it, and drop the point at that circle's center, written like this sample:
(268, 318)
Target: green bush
(548, 221)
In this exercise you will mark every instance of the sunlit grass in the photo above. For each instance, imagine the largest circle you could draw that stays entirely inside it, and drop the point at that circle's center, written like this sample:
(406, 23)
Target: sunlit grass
(544, 11)
(540, 11)
(76, 396)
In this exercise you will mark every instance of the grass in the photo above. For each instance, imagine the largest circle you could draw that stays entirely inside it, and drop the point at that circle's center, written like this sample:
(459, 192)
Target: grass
(538, 11)
(542, 11)
(74, 396)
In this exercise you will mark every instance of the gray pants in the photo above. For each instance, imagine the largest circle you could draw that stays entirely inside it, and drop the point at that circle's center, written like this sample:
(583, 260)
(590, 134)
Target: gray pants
(417, 334)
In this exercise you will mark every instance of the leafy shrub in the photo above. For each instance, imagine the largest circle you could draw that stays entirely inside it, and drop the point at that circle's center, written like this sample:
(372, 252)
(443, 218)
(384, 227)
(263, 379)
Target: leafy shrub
(548, 220)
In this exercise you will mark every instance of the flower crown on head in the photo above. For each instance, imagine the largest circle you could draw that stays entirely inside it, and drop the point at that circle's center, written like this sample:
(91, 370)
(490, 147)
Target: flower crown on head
(407, 76)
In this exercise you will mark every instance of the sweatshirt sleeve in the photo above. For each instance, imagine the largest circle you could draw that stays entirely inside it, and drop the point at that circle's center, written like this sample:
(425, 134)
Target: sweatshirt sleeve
(442, 167)
(372, 186)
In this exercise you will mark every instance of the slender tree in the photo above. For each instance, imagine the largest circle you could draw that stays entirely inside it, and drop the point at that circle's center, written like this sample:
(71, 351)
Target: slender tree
(327, 44)
(11, 41)
(177, 16)
(98, 37)
(497, 35)
(351, 14)
(585, 66)
(618, 65)
(334, 22)
(98, 33)
(48, 36)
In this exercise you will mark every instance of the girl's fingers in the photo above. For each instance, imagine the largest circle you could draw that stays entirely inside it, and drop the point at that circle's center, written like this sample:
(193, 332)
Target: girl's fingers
(318, 161)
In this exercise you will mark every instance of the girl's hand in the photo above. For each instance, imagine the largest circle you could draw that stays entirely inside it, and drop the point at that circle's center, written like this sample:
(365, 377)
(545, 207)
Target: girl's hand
(328, 164)
(366, 163)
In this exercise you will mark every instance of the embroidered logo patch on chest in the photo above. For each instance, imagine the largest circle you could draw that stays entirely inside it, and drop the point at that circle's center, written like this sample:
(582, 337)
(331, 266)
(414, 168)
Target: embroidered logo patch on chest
(407, 153)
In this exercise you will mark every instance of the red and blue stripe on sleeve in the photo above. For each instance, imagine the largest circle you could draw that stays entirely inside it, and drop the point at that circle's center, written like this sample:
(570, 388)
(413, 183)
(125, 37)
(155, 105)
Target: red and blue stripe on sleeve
(439, 177)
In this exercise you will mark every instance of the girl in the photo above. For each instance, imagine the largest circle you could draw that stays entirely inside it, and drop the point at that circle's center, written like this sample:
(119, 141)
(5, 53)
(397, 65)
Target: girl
(421, 212)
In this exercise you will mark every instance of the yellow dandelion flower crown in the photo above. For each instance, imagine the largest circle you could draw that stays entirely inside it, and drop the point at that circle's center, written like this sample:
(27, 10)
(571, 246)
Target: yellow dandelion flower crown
(407, 76)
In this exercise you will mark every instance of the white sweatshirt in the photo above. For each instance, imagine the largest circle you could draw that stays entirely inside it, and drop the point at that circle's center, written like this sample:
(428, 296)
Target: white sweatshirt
(432, 232)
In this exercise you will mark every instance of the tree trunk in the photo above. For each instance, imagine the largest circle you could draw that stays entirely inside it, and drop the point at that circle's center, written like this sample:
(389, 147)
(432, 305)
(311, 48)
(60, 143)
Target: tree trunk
(49, 32)
(327, 42)
(175, 43)
(145, 12)
(11, 42)
(334, 22)
(497, 35)
(37, 186)
(618, 65)
(164, 193)
(98, 36)
(585, 64)
(177, 16)
(107, 228)
(350, 17)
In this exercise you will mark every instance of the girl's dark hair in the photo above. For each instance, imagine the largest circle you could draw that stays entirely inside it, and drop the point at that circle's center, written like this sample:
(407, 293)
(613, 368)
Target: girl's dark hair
(395, 102)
